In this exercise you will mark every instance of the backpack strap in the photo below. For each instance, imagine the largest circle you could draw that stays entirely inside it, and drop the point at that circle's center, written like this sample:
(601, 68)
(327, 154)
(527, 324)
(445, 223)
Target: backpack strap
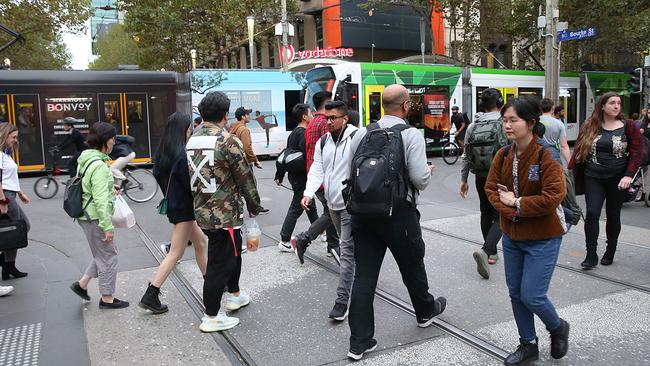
(322, 140)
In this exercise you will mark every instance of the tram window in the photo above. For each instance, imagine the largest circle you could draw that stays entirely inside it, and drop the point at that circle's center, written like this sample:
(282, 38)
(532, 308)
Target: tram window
(159, 111)
(4, 109)
(136, 117)
(110, 111)
(534, 92)
(375, 107)
(569, 100)
(28, 121)
(479, 91)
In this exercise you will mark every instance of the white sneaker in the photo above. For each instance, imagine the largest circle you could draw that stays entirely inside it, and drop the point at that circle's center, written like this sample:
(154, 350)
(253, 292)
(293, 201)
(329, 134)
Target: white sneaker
(285, 247)
(323, 238)
(237, 302)
(6, 290)
(218, 323)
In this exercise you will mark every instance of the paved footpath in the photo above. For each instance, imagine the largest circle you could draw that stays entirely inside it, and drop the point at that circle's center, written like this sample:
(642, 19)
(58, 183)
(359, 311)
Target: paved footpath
(44, 323)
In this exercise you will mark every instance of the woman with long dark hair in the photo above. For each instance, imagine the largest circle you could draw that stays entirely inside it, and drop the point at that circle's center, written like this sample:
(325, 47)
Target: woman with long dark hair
(10, 192)
(173, 177)
(608, 152)
(526, 186)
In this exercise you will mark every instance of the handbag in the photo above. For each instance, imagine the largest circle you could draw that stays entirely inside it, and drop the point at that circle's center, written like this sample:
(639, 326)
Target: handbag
(162, 206)
(579, 178)
(13, 233)
(123, 216)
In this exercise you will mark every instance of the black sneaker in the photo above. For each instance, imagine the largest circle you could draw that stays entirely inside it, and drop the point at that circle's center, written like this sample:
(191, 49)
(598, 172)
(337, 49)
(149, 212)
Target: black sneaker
(560, 340)
(263, 211)
(525, 353)
(116, 304)
(591, 261)
(76, 288)
(357, 354)
(300, 245)
(339, 312)
(439, 306)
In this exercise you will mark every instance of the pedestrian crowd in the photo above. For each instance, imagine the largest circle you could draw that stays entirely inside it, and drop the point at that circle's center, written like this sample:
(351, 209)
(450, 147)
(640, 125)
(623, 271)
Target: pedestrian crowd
(368, 180)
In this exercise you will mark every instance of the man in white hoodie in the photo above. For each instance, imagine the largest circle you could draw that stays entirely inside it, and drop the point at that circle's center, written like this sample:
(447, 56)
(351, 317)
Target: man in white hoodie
(330, 168)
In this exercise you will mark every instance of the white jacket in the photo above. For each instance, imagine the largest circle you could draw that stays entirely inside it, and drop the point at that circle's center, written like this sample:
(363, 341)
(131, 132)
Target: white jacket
(331, 167)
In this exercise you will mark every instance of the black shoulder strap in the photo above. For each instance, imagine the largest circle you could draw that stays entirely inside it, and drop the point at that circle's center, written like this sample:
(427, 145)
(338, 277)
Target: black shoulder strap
(323, 139)
(88, 166)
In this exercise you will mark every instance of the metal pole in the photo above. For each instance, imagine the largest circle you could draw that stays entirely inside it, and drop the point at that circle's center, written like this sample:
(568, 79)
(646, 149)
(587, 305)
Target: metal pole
(551, 52)
(285, 36)
(372, 53)
(250, 21)
(422, 37)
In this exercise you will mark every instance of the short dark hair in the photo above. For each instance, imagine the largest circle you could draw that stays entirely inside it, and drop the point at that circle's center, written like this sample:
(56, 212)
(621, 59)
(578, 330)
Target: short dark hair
(338, 105)
(490, 99)
(214, 106)
(528, 109)
(198, 120)
(546, 105)
(99, 134)
(321, 98)
(298, 111)
(559, 109)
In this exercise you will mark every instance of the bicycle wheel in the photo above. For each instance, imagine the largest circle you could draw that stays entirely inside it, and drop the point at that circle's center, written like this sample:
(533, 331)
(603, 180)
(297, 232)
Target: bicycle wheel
(140, 185)
(450, 153)
(46, 187)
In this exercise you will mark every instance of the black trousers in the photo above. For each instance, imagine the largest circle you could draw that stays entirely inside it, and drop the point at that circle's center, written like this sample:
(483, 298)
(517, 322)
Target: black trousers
(597, 192)
(403, 236)
(490, 226)
(224, 268)
(294, 212)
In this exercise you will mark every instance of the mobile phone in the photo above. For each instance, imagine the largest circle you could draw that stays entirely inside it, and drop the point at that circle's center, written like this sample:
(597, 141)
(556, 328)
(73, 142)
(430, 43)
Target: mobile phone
(502, 187)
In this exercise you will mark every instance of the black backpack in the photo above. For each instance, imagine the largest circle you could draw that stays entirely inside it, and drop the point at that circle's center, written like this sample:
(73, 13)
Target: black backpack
(73, 195)
(378, 176)
(291, 161)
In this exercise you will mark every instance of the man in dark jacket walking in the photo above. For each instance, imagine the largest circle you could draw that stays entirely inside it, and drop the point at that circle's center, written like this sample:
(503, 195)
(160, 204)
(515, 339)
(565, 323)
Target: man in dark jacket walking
(76, 139)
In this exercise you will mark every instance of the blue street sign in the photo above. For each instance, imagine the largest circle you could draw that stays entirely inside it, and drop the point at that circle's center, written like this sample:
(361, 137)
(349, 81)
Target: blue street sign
(575, 35)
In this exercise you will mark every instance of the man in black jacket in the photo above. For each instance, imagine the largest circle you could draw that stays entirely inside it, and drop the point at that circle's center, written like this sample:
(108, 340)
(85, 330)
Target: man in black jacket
(76, 139)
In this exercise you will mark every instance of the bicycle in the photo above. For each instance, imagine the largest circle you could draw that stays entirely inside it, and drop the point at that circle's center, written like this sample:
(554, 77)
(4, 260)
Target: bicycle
(48, 186)
(140, 185)
(450, 150)
(638, 189)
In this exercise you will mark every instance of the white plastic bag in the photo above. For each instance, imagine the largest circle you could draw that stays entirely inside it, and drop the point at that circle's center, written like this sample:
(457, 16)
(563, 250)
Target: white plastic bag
(123, 216)
(253, 235)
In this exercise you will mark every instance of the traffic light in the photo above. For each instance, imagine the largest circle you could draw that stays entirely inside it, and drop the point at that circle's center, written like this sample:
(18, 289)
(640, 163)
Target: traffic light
(634, 84)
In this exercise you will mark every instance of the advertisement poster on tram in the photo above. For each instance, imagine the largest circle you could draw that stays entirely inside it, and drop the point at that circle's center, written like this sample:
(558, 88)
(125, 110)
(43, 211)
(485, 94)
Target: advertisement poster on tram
(269, 95)
(436, 115)
(78, 110)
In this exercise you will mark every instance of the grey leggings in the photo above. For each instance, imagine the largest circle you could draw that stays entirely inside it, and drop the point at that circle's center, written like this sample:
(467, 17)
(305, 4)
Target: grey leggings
(15, 213)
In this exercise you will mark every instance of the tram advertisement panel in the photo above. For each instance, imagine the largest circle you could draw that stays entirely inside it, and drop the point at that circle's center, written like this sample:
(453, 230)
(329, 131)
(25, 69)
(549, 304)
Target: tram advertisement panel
(78, 110)
(436, 117)
(267, 93)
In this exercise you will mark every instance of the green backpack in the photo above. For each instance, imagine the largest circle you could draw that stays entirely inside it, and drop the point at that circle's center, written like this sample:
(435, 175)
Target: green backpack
(483, 142)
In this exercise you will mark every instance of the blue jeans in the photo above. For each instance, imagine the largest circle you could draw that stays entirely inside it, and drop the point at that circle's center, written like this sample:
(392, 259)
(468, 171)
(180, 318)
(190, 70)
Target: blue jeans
(529, 266)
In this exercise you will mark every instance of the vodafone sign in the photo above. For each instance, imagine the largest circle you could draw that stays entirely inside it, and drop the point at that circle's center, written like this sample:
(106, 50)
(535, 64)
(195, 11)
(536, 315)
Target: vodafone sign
(329, 52)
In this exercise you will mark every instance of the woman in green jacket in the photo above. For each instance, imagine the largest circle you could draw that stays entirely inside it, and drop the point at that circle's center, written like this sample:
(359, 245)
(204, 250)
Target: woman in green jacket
(98, 201)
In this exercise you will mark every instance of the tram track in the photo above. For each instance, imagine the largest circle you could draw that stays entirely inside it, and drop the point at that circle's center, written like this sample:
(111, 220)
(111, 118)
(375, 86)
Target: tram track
(233, 350)
(565, 267)
(475, 342)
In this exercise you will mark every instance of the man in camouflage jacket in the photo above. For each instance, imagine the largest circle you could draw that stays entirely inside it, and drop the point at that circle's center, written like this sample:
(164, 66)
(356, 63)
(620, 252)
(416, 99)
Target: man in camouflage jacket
(220, 177)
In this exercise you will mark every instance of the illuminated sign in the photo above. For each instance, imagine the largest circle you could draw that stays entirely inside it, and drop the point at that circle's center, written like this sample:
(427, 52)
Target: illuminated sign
(68, 104)
(329, 52)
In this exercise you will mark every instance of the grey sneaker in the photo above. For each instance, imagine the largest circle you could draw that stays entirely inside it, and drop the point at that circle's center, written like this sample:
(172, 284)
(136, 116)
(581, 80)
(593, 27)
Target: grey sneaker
(482, 267)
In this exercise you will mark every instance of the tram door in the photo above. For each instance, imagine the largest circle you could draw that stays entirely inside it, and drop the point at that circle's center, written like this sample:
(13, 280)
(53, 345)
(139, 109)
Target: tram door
(22, 111)
(374, 109)
(128, 112)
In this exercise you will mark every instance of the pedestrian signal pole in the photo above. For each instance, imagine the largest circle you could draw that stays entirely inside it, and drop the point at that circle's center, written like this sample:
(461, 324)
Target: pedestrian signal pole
(285, 36)
(551, 61)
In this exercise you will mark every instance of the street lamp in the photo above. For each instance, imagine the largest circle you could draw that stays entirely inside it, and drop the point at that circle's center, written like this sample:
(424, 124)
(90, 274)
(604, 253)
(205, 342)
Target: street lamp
(250, 21)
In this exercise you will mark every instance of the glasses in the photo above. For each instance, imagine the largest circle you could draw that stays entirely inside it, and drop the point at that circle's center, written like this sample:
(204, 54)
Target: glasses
(332, 118)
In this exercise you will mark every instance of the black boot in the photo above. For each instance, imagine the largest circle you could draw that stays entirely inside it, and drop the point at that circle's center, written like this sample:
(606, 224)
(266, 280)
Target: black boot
(526, 352)
(591, 260)
(9, 269)
(608, 257)
(560, 340)
(151, 302)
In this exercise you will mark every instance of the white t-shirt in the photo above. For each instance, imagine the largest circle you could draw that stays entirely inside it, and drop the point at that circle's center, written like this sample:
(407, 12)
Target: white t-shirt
(9, 173)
